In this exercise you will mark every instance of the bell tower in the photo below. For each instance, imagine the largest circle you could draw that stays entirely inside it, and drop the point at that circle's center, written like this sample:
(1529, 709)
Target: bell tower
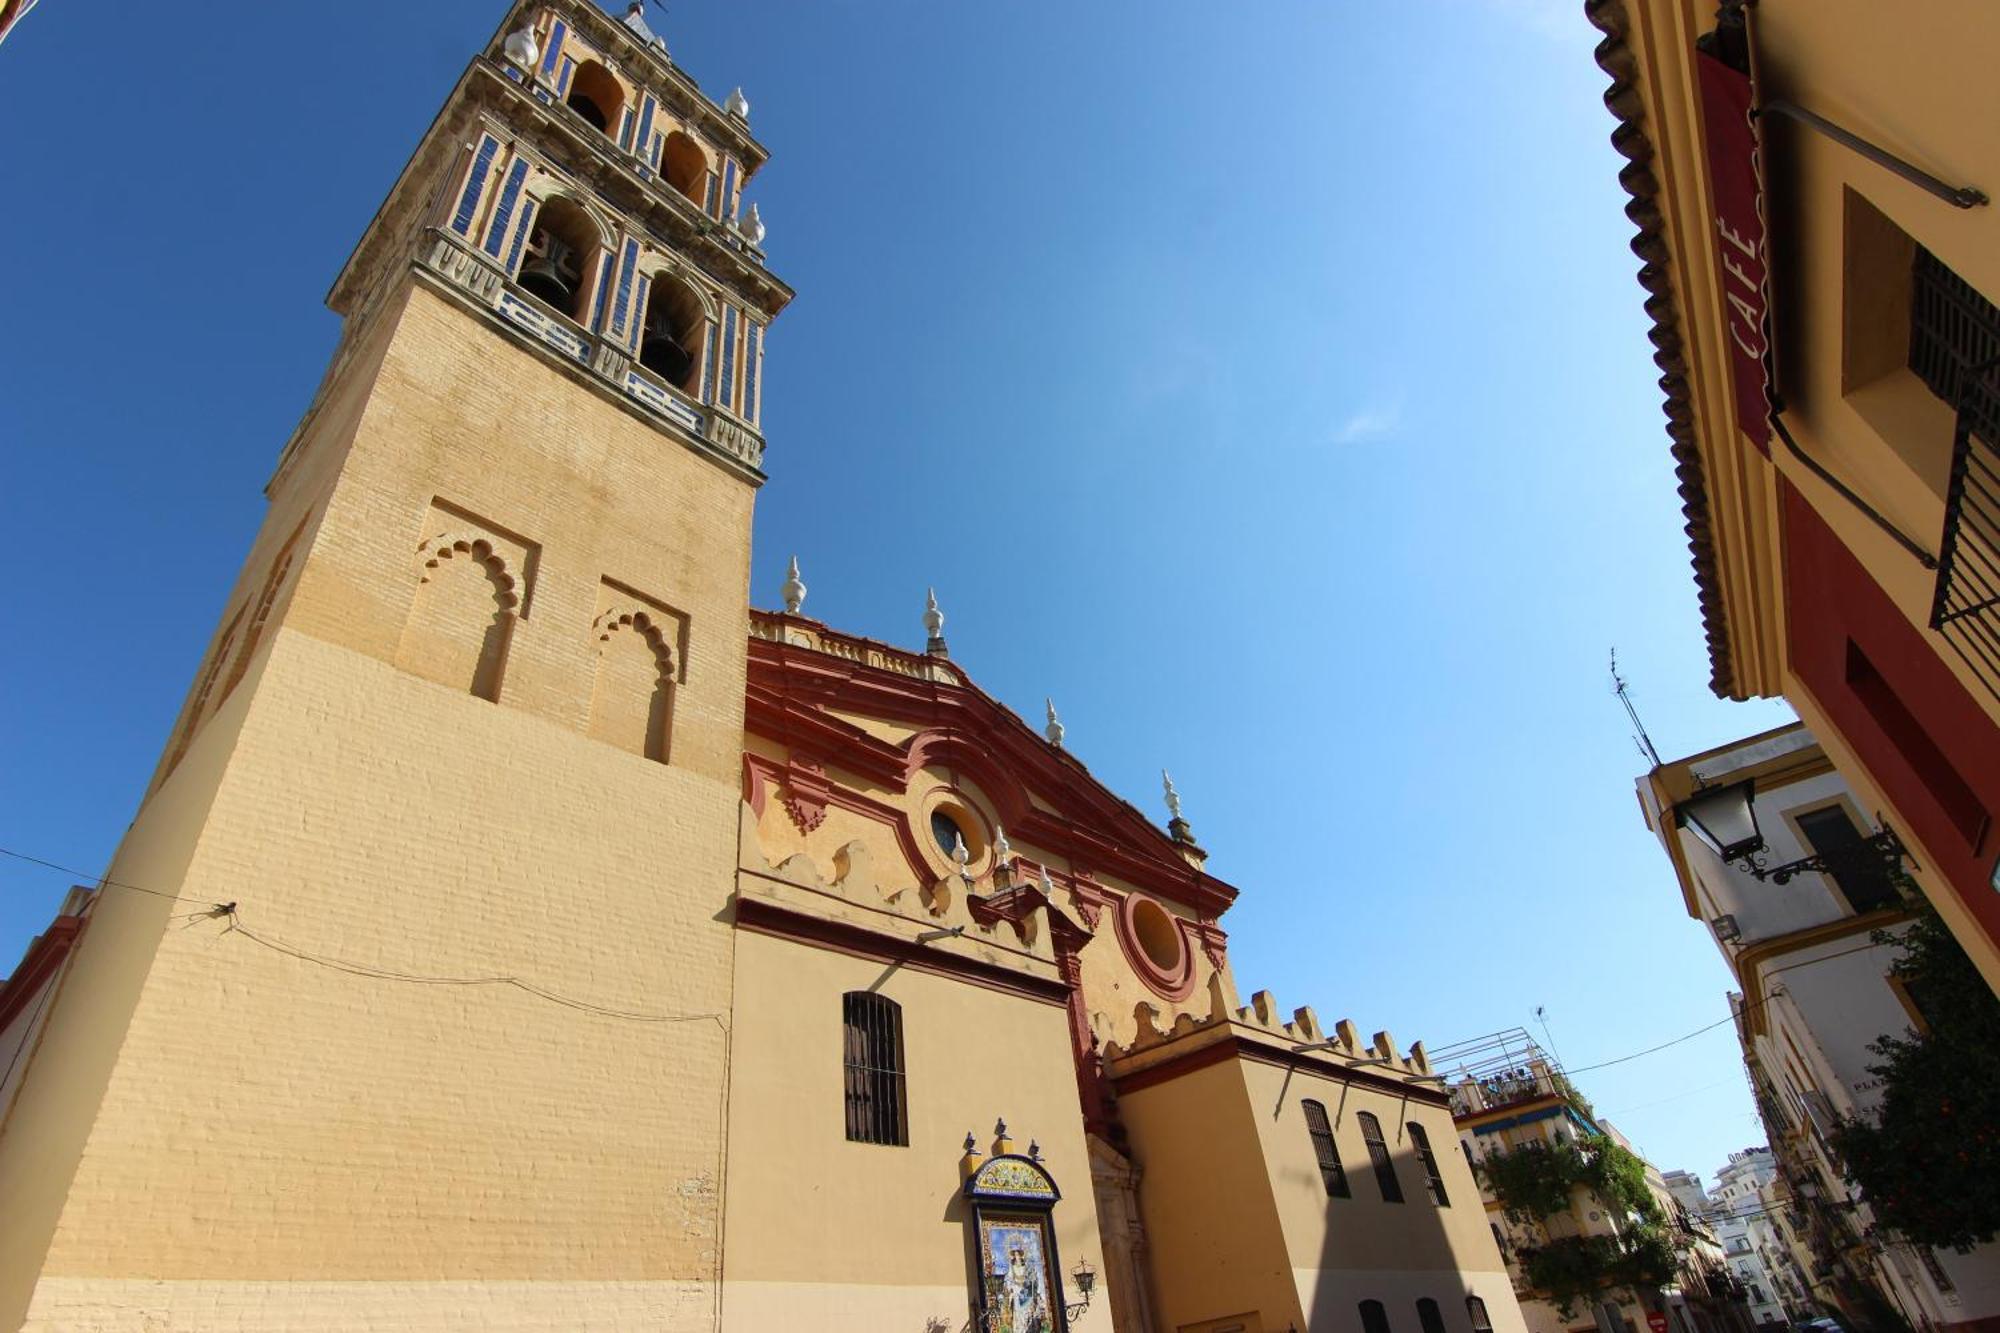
(433, 1023)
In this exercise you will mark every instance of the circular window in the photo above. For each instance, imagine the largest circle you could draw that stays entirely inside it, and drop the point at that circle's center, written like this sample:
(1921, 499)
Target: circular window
(1157, 934)
(947, 832)
(1155, 943)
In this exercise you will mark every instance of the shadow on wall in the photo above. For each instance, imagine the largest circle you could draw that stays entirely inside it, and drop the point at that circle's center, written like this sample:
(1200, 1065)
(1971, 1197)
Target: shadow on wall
(1389, 1262)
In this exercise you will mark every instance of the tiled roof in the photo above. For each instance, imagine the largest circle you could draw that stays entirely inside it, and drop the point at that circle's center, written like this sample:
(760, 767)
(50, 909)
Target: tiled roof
(1615, 58)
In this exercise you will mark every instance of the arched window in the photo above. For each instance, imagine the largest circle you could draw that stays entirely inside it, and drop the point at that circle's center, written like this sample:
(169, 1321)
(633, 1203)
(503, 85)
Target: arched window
(1475, 1309)
(1378, 1153)
(1330, 1170)
(684, 166)
(562, 250)
(877, 1109)
(1374, 1319)
(1433, 1178)
(670, 345)
(1429, 1315)
(595, 95)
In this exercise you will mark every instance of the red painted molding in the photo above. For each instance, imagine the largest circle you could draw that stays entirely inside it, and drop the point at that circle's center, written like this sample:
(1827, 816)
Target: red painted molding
(767, 918)
(964, 731)
(1234, 1047)
(44, 957)
(1925, 740)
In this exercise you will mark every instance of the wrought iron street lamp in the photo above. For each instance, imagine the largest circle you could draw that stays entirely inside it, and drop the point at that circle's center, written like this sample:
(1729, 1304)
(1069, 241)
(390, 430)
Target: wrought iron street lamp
(1085, 1278)
(1725, 819)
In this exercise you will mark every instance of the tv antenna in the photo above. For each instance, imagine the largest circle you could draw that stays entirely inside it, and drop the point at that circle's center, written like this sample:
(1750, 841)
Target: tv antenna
(1624, 693)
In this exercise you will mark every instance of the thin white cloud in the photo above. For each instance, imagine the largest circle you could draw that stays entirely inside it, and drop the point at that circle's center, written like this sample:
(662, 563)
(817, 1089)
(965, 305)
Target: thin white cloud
(1370, 423)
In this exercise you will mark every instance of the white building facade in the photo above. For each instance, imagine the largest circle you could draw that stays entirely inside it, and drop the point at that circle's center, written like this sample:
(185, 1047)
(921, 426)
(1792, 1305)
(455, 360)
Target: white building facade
(1816, 990)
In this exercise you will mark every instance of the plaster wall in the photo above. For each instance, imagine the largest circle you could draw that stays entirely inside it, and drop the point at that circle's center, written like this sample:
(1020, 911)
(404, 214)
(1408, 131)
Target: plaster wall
(827, 1234)
(1344, 1251)
(1218, 1246)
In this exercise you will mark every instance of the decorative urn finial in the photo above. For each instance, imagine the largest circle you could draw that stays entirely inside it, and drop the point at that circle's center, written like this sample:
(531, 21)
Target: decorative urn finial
(1002, 1145)
(1003, 851)
(933, 624)
(737, 105)
(1048, 885)
(521, 48)
(1177, 827)
(793, 589)
(961, 855)
(1054, 730)
(1034, 1150)
(752, 227)
(968, 1165)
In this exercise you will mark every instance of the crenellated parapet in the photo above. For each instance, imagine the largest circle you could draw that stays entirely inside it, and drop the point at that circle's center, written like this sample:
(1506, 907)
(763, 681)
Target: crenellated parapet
(1262, 1022)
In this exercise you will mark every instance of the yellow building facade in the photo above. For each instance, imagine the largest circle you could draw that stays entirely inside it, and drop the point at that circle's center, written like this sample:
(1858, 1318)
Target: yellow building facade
(519, 933)
(1811, 185)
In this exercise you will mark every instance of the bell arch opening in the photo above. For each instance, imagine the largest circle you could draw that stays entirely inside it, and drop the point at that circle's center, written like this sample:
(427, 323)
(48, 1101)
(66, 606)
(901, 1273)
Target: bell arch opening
(594, 94)
(685, 167)
(562, 249)
(670, 346)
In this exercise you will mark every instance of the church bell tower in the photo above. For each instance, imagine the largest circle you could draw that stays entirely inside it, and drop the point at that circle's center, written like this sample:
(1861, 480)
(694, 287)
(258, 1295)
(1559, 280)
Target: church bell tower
(434, 1023)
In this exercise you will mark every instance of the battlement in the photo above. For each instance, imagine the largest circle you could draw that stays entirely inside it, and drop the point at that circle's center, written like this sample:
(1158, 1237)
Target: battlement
(1261, 1021)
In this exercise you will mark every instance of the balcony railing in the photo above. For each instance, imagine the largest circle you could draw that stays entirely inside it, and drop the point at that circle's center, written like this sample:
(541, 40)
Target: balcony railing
(1955, 350)
(1966, 609)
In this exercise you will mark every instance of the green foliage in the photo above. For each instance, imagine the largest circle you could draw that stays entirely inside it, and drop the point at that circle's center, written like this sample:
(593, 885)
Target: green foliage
(1575, 1269)
(1537, 1180)
(1927, 1162)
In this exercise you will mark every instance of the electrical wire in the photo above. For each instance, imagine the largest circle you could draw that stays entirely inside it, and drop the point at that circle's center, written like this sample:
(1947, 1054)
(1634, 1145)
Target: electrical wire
(99, 879)
(231, 913)
(1710, 1027)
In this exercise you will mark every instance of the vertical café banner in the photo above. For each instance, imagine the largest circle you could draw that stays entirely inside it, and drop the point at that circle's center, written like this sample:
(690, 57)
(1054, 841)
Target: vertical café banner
(1727, 99)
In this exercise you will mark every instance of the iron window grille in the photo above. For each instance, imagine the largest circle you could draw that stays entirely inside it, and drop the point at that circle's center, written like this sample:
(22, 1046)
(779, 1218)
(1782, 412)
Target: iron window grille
(1955, 351)
(1429, 1316)
(877, 1104)
(1433, 1178)
(1374, 1318)
(1331, 1172)
(1475, 1310)
(1378, 1153)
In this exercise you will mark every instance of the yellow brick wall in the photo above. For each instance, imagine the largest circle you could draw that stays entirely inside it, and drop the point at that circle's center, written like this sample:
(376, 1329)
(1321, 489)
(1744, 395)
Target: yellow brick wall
(278, 1140)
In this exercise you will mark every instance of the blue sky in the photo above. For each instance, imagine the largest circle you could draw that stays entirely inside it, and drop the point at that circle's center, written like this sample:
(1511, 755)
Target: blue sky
(1267, 383)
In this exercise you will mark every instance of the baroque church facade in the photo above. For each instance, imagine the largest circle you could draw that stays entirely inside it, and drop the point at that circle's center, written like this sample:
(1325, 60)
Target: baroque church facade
(525, 934)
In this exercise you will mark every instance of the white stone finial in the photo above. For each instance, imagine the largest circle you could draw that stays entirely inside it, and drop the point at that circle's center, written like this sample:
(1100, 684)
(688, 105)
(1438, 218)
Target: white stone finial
(933, 618)
(752, 227)
(522, 48)
(793, 589)
(960, 854)
(1003, 851)
(1048, 885)
(1054, 730)
(1173, 797)
(737, 105)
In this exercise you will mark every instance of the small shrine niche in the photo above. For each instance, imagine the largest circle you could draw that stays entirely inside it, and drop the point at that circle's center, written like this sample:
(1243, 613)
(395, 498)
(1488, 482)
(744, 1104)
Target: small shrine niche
(1018, 1287)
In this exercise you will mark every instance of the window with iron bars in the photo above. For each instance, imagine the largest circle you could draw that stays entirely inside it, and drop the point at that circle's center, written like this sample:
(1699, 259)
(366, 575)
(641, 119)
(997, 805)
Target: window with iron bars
(877, 1107)
(1433, 1178)
(1378, 1153)
(1330, 1170)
